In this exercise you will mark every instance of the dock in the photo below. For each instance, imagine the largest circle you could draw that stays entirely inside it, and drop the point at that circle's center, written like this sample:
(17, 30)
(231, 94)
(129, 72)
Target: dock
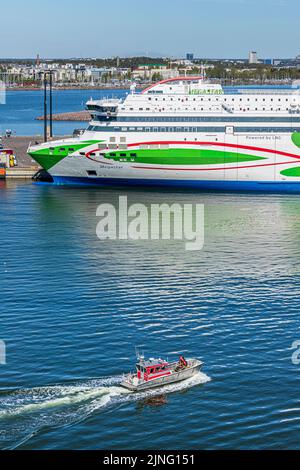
(26, 167)
(21, 173)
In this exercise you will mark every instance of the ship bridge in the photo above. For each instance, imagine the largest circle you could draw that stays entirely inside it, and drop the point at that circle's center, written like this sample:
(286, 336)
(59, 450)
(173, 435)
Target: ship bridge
(105, 110)
(184, 86)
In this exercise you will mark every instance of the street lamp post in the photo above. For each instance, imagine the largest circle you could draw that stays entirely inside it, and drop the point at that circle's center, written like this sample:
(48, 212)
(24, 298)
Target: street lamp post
(50, 103)
(45, 73)
(45, 107)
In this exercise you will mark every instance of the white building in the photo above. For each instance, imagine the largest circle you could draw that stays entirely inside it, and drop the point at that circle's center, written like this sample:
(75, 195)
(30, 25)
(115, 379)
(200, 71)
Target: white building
(253, 57)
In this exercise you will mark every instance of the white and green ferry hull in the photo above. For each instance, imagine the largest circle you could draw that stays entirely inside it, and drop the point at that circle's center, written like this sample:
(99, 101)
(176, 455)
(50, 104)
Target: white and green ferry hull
(259, 162)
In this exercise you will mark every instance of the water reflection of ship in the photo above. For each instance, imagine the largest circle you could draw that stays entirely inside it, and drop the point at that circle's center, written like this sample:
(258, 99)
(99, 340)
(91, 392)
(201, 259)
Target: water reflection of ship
(153, 401)
(243, 223)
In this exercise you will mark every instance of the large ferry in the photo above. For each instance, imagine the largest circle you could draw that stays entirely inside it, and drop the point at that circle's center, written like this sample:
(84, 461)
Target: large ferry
(184, 132)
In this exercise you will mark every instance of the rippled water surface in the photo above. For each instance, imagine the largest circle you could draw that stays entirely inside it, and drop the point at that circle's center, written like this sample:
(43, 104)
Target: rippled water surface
(73, 308)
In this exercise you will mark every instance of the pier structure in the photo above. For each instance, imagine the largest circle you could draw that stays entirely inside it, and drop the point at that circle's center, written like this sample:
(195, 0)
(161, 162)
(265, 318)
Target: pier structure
(26, 167)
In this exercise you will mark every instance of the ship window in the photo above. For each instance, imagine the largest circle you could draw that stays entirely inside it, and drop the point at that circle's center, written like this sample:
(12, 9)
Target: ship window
(91, 173)
(133, 154)
(62, 149)
(112, 155)
(71, 150)
(122, 154)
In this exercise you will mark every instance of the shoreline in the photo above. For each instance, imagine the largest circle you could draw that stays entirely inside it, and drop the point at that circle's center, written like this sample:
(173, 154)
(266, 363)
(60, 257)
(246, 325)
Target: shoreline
(71, 88)
(139, 87)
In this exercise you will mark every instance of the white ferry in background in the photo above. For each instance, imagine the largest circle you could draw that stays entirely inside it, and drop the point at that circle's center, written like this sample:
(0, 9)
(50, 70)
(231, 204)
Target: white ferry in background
(184, 132)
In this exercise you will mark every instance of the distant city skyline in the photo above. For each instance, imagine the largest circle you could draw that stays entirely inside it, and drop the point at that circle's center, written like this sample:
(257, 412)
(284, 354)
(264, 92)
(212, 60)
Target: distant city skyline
(206, 28)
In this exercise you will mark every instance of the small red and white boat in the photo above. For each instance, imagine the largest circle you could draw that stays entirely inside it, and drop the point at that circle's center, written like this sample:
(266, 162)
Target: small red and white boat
(158, 372)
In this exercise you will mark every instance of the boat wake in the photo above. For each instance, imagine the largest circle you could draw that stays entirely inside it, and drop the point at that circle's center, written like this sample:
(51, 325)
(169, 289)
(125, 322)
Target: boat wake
(25, 412)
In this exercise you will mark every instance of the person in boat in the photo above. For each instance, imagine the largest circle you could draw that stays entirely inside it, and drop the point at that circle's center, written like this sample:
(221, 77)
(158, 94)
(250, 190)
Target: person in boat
(182, 363)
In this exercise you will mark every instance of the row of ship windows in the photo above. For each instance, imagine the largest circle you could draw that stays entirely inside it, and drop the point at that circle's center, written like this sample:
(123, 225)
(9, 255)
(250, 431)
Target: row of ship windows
(191, 129)
(291, 119)
(279, 100)
(205, 109)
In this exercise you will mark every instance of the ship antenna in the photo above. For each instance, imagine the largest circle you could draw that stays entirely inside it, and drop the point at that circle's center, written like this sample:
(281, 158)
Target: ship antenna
(139, 354)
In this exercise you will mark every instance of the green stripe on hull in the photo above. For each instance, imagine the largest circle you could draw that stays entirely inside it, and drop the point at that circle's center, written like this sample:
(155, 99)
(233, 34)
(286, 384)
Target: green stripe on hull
(295, 172)
(296, 138)
(47, 158)
(181, 156)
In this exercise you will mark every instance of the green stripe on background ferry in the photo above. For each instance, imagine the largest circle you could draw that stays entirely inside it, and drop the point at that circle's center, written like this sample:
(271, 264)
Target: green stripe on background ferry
(181, 156)
(50, 156)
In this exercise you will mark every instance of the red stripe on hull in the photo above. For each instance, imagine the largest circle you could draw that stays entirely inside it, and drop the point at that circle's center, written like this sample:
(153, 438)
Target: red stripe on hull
(165, 374)
(217, 144)
(214, 168)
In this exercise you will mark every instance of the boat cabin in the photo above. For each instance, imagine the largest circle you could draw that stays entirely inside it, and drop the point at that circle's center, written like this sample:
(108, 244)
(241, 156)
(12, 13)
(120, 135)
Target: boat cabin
(152, 369)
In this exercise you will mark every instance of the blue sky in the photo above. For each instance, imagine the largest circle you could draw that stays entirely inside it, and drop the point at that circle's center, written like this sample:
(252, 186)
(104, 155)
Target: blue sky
(98, 28)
